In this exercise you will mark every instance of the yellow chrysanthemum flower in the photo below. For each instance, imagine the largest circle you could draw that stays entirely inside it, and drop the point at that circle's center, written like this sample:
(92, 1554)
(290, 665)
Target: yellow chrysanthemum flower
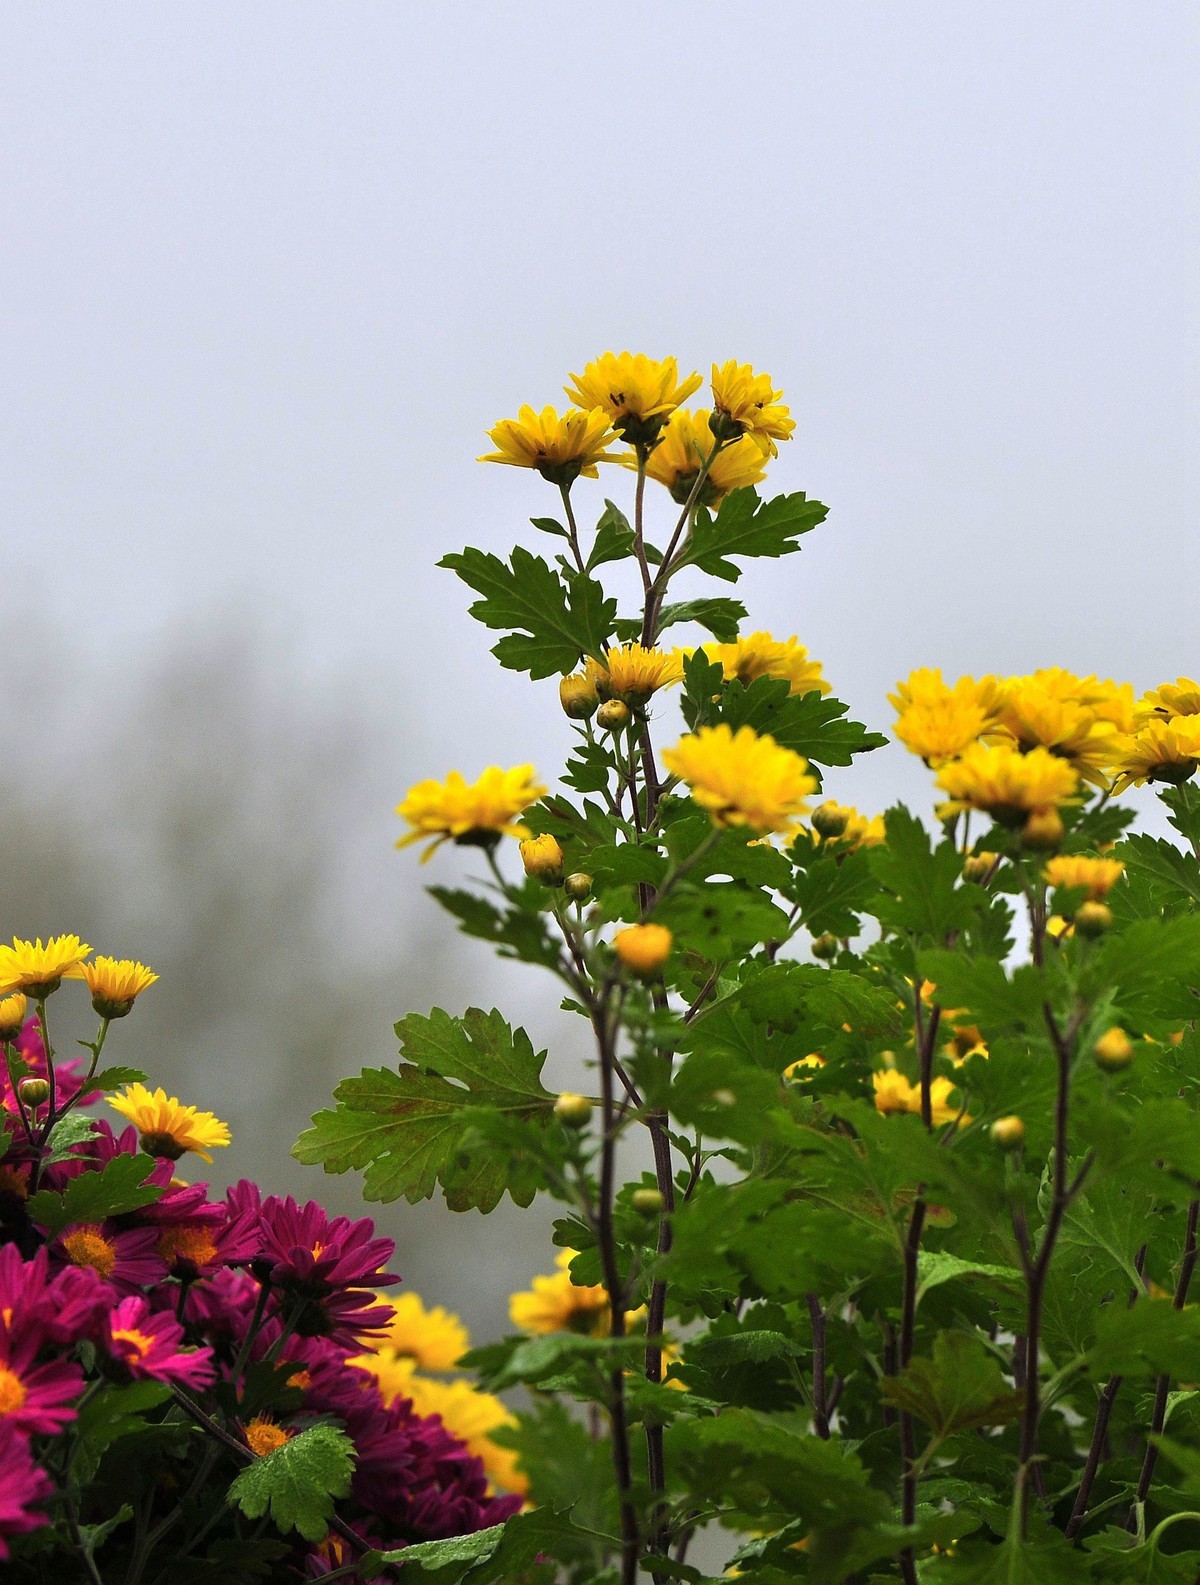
(1007, 784)
(1181, 697)
(893, 1093)
(556, 1304)
(1037, 713)
(687, 440)
(636, 393)
(432, 1339)
(1161, 750)
(926, 687)
(465, 1411)
(966, 1040)
(1099, 876)
(633, 673)
(115, 983)
(167, 1127)
(12, 1014)
(560, 448)
(796, 1072)
(760, 655)
(30, 966)
(742, 778)
(472, 814)
(745, 403)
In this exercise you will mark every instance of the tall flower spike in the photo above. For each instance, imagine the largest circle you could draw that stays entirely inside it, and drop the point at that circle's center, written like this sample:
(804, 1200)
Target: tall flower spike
(560, 448)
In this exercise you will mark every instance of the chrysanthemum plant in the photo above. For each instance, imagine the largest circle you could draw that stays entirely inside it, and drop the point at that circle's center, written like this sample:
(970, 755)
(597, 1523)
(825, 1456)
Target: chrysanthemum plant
(899, 1286)
(198, 1387)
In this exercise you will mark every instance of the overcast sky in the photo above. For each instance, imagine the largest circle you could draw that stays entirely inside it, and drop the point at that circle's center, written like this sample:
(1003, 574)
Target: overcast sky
(270, 270)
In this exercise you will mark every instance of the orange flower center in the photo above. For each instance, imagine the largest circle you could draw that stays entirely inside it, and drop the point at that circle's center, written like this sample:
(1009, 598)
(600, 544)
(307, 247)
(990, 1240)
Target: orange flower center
(194, 1244)
(300, 1378)
(137, 1343)
(87, 1246)
(12, 1391)
(14, 1181)
(263, 1436)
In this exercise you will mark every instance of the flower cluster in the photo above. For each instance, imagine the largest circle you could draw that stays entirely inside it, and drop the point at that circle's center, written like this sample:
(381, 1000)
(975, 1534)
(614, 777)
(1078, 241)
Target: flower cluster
(114, 1271)
(700, 453)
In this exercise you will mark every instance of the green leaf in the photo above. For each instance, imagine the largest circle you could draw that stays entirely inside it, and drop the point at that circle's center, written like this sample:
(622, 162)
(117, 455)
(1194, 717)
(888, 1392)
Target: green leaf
(299, 1482)
(721, 617)
(1153, 967)
(407, 1127)
(614, 538)
(936, 1266)
(1184, 803)
(1049, 1561)
(806, 723)
(71, 1130)
(1146, 1339)
(550, 525)
(959, 1389)
(118, 1187)
(516, 933)
(114, 1078)
(502, 1552)
(833, 892)
(1166, 874)
(550, 626)
(922, 887)
(746, 526)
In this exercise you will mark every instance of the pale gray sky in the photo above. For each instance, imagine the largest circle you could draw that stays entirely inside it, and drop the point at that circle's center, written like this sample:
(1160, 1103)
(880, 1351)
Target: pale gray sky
(268, 272)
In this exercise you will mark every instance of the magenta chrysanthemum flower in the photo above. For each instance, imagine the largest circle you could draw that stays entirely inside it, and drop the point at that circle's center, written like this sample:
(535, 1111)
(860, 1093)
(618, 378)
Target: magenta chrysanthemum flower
(222, 1305)
(127, 1259)
(23, 1484)
(36, 1399)
(64, 1308)
(147, 1343)
(330, 1266)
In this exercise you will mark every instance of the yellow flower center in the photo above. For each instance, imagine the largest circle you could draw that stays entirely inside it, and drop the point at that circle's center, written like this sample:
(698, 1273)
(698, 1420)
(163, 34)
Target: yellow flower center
(139, 1343)
(12, 1391)
(193, 1244)
(263, 1436)
(87, 1246)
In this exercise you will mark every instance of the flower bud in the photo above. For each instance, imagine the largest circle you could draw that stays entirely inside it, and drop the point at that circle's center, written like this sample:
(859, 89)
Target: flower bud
(647, 1202)
(543, 859)
(1008, 1132)
(12, 1015)
(825, 946)
(978, 866)
(643, 949)
(1114, 1050)
(573, 1111)
(613, 715)
(578, 886)
(1093, 919)
(1043, 830)
(577, 695)
(829, 821)
(34, 1091)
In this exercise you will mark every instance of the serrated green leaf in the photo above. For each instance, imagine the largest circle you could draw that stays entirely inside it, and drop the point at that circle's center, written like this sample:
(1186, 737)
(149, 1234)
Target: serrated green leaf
(114, 1078)
(614, 538)
(516, 933)
(551, 624)
(936, 1266)
(746, 526)
(502, 1552)
(807, 723)
(959, 1388)
(406, 1127)
(720, 617)
(119, 1186)
(299, 1482)
(922, 883)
